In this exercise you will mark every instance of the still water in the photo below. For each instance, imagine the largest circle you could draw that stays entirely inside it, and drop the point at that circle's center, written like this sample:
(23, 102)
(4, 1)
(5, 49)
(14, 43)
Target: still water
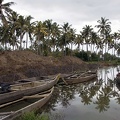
(95, 100)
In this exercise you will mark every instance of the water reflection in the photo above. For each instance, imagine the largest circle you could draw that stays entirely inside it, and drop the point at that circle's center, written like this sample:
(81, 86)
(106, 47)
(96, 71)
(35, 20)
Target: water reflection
(99, 94)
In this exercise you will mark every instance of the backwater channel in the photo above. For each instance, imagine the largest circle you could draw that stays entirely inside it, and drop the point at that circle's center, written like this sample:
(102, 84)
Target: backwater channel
(95, 100)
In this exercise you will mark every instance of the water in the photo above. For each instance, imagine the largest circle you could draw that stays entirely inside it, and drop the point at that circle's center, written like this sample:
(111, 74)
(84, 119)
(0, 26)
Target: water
(95, 100)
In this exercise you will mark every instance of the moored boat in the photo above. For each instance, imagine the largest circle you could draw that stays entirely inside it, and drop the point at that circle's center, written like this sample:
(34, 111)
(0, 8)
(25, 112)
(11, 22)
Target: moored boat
(76, 78)
(13, 109)
(27, 88)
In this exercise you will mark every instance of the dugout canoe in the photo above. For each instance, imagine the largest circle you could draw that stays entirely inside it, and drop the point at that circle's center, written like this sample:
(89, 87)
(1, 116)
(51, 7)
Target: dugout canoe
(17, 91)
(9, 110)
(76, 78)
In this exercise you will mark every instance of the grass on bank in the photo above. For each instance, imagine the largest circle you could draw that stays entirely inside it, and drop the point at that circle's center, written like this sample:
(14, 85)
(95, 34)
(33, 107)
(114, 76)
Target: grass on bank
(33, 116)
(44, 116)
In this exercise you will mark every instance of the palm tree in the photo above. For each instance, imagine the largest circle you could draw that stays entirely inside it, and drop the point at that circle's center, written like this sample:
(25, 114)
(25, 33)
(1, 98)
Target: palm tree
(72, 37)
(39, 32)
(94, 40)
(21, 29)
(87, 34)
(13, 22)
(104, 29)
(78, 41)
(29, 29)
(5, 8)
(55, 34)
(4, 36)
(48, 24)
(103, 26)
(64, 37)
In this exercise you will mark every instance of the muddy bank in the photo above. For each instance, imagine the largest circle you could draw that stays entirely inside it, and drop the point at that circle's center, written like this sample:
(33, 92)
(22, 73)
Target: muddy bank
(25, 64)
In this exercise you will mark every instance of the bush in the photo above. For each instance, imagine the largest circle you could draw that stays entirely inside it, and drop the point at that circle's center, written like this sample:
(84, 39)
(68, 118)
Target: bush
(33, 116)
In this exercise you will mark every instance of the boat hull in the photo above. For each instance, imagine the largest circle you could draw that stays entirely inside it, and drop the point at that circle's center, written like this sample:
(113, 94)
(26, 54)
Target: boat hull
(80, 79)
(32, 107)
(14, 95)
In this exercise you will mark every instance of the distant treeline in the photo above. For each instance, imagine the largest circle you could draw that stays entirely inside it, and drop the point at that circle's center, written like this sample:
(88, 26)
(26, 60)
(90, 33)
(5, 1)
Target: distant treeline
(19, 32)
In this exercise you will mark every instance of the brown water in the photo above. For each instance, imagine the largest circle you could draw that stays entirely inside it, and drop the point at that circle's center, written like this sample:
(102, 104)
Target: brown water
(95, 100)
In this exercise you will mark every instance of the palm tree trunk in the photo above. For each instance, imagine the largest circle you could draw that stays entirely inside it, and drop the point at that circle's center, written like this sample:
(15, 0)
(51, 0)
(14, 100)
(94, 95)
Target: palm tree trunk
(26, 40)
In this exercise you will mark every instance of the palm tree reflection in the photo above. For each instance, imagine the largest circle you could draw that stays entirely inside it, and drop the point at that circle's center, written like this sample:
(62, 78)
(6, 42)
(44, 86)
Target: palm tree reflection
(98, 92)
(103, 99)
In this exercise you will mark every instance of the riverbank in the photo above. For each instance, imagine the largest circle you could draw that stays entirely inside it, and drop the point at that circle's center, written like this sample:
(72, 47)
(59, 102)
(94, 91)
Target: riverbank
(24, 64)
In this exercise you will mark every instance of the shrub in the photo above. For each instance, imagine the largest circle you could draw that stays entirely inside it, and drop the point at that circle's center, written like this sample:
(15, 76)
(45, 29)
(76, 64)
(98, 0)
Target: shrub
(33, 116)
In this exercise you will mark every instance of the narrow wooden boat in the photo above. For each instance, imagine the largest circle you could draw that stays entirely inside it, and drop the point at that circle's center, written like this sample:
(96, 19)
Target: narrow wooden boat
(13, 109)
(27, 88)
(76, 78)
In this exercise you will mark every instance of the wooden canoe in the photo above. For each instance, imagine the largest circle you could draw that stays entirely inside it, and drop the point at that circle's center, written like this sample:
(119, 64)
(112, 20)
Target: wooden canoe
(79, 78)
(27, 88)
(39, 101)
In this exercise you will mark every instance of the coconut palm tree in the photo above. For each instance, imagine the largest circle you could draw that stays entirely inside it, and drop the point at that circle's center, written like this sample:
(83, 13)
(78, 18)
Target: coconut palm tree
(13, 22)
(21, 29)
(40, 31)
(103, 26)
(94, 40)
(29, 29)
(87, 34)
(55, 35)
(52, 32)
(79, 41)
(4, 8)
(104, 29)
(72, 36)
(64, 37)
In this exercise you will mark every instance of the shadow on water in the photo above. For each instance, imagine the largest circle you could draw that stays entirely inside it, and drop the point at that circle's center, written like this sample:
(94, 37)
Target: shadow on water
(98, 99)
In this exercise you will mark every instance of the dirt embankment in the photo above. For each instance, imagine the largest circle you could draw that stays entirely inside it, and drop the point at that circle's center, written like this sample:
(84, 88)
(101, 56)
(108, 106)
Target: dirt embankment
(24, 64)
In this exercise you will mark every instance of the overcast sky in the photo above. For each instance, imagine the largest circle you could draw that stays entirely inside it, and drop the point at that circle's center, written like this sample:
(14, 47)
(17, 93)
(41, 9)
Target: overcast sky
(78, 13)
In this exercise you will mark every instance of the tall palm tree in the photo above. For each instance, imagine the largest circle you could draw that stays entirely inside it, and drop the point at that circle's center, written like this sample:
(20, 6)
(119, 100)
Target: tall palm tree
(13, 22)
(5, 8)
(21, 29)
(103, 26)
(94, 40)
(48, 24)
(87, 34)
(78, 40)
(72, 36)
(39, 32)
(104, 29)
(29, 29)
(64, 37)
(55, 34)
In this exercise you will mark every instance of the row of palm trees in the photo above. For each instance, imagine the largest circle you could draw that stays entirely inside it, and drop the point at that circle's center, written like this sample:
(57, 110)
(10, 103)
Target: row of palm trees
(20, 32)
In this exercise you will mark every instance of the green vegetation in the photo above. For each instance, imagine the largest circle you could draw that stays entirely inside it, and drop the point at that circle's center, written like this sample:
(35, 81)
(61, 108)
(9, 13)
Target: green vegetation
(88, 56)
(46, 38)
(33, 116)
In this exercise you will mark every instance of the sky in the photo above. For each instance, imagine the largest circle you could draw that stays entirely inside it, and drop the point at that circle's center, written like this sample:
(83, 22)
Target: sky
(77, 13)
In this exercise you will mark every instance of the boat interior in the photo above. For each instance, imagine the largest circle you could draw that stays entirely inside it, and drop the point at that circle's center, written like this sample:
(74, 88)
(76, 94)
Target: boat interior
(26, 85)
